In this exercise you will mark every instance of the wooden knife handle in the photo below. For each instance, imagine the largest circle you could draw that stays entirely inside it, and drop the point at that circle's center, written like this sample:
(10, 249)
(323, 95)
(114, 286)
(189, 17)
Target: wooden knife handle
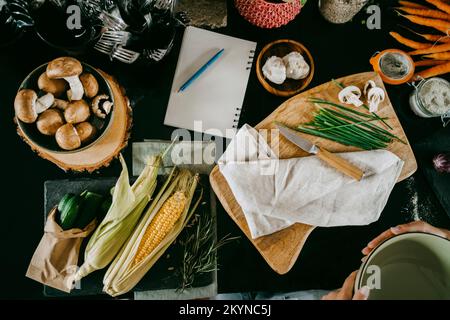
(340, 164)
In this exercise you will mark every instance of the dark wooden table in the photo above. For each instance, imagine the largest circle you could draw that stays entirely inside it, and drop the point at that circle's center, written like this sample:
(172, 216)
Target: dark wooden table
(328, 256)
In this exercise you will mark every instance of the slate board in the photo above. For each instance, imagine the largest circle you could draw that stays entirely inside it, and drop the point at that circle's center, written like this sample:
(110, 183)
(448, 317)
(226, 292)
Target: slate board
(425, 152)
(159, 277)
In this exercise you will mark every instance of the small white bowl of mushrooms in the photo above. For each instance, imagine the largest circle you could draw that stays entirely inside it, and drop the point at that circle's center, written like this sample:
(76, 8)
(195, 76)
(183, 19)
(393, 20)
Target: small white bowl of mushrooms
(64, 106)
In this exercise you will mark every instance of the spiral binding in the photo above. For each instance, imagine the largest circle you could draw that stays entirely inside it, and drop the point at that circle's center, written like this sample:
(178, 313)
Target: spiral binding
(251, 57)
(237, 115)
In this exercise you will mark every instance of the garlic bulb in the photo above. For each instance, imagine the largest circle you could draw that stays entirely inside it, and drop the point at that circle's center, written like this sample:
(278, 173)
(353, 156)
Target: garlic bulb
(275, 70)
(351, 95)
(296, 66)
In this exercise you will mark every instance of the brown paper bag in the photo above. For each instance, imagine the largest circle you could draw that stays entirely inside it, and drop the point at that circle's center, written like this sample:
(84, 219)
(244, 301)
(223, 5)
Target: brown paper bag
(55, 260)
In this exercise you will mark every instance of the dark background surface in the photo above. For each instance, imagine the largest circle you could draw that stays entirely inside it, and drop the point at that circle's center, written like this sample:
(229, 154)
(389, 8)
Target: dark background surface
(329, 255)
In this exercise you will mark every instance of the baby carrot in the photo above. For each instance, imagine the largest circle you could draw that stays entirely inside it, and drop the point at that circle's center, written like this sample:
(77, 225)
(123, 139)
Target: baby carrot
(433, 71)
(429, 63)
(441, 5)
(439, 56)
(412, 5)
(430, 37)
(441, 25)
(433, 49)
(435, 14)
(410, 43)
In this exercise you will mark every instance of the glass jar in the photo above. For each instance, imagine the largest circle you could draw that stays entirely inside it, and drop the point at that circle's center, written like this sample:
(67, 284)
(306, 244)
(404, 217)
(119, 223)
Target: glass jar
(340, 11)
(431, 98)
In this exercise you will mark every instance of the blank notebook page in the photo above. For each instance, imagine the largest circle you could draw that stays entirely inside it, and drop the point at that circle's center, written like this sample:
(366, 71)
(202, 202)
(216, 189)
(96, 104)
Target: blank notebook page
(216, 97)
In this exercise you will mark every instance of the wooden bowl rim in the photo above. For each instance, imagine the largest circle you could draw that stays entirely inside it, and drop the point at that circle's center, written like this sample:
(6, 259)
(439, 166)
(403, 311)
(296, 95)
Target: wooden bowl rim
(275, 91)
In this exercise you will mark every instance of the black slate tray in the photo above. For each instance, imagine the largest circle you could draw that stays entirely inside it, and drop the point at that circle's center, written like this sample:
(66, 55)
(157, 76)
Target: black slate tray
(425, 151)
(163, 275)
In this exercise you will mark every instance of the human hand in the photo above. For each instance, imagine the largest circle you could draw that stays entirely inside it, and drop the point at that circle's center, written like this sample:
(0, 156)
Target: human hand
(416, 226)
(346, 292)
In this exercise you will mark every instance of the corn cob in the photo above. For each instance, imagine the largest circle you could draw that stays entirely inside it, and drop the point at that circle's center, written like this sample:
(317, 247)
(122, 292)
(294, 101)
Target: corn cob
(128, 204)
(161, 225)
(137, 256)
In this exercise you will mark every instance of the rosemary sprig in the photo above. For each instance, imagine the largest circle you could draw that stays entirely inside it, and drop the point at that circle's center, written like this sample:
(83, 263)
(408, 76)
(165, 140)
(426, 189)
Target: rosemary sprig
(200, 249)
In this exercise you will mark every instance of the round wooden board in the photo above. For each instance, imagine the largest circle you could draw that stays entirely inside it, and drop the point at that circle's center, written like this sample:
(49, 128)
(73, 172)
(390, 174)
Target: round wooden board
(106, 149)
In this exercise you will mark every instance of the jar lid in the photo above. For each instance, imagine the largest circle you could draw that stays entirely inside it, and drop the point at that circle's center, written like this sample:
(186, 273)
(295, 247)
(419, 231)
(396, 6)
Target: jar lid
(394, 66)
(434, 100)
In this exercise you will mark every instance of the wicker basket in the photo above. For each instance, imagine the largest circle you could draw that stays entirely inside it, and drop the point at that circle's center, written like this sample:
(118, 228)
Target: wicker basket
(266, 14)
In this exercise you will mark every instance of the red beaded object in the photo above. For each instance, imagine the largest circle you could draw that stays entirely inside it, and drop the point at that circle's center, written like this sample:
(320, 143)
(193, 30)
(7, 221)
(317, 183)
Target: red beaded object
(266, 14)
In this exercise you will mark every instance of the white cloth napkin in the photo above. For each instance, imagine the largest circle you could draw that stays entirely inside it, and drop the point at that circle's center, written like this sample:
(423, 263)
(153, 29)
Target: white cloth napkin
(274, 194)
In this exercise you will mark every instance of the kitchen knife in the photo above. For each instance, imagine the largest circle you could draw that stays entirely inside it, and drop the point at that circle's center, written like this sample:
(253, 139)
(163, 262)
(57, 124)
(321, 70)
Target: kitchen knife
(333, 160)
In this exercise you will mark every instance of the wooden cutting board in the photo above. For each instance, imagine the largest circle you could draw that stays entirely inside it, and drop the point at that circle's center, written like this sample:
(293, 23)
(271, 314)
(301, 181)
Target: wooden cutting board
(282, 248)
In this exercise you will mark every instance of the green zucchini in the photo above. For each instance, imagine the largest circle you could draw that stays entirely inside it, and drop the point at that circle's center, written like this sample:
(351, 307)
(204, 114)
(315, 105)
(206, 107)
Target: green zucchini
(69, 212)
(63, 202)
(90, 205)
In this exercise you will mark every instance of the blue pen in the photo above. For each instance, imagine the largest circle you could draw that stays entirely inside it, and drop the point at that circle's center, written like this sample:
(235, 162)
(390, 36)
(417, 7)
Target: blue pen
(201, 70)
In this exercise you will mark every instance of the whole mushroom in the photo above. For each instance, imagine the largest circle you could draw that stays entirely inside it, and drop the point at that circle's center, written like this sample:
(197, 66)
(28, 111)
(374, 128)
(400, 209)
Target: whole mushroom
(49, 122)
(27, 105)
(90, 85)
(57, 87)
(69, 69)
(77, 111)
(61, 104)
(101, 106)
(67, 137)
(86, 131)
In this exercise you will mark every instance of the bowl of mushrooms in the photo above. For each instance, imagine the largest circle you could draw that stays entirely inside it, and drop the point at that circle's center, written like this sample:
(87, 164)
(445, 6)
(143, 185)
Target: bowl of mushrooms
(64, 106)
(285, 67)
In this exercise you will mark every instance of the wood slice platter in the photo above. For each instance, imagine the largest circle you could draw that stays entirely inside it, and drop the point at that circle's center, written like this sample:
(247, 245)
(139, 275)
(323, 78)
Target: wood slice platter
(282, 248)
(105, 149)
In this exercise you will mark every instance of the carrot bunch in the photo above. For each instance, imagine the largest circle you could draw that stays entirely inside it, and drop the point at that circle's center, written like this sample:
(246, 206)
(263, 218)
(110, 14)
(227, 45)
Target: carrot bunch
(434, 49)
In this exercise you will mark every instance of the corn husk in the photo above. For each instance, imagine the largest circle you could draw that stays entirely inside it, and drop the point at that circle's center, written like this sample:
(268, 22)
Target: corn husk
(122, 276)
(129, 202)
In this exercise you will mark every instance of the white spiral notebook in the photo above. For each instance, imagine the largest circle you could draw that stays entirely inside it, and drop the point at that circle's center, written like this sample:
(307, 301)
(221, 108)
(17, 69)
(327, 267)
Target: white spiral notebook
(213, 102)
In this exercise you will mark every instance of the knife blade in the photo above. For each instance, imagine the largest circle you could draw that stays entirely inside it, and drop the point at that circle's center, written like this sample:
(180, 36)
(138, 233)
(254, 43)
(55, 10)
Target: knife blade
(331, 159)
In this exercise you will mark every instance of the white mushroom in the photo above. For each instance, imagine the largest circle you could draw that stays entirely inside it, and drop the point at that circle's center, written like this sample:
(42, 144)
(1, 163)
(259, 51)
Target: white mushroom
(275, 70)
(69, 69)
(374, 95)
(351, 95)
(296, 66)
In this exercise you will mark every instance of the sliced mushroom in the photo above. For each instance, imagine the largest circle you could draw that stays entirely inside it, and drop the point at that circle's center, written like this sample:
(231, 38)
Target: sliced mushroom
(49, 122)
(67, 137)
(351, 95)
(77, 111)
(86, 131)
(57, 87)
(25, 105)
(61, 104)
(90, 85)
(101, 106)
(69, 69)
